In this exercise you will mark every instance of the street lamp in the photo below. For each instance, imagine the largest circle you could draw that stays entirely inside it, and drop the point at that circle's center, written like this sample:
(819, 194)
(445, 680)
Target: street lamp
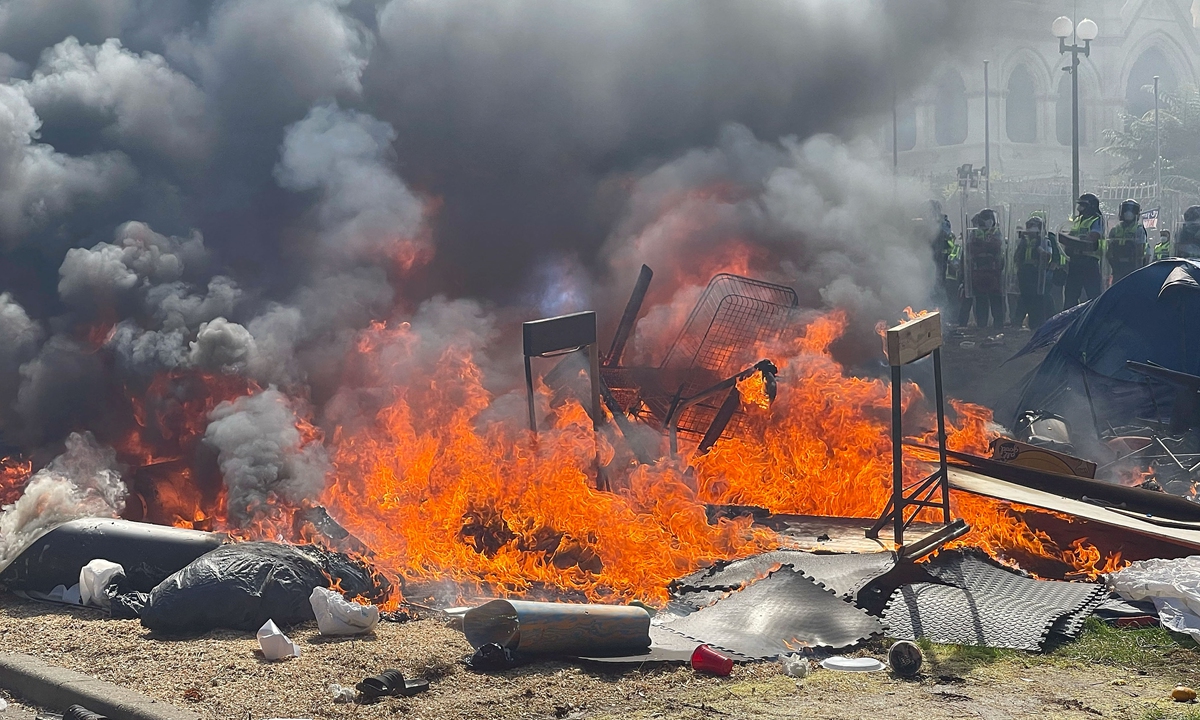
(1086, 31)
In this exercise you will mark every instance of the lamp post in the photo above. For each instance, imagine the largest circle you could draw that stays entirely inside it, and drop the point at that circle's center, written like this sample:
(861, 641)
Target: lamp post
(1086, 31)
(1157, 152)
(987, 140)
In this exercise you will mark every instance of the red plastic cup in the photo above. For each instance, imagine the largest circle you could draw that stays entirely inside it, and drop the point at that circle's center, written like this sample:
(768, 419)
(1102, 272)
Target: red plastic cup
(706, 659)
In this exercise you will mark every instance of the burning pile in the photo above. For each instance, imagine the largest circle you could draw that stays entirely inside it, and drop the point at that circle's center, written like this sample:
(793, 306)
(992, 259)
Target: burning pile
(443, 486)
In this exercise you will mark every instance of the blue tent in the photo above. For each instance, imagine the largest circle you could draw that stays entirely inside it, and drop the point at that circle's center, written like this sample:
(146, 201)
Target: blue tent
(1151, 316)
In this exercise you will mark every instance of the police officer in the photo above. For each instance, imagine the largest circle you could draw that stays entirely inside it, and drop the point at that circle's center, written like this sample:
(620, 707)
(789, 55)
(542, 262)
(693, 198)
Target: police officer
(945, 252)
(1126, 247)
(1187, 242)
(1031, 259)
(985, 257)
(1084, 246)
(1162, 250)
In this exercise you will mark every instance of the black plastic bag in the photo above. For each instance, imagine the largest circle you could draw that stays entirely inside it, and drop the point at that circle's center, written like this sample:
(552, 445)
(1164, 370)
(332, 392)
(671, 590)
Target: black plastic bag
(241, 586)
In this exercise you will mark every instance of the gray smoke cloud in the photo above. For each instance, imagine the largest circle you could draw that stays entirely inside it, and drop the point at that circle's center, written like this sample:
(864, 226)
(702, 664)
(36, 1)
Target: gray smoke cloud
(84, 481)
(819, 215)
(242, 186)
(262, 455)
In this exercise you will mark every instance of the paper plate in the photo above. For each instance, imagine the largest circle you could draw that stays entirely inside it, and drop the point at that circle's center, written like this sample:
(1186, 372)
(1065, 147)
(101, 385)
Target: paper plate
(849, 664)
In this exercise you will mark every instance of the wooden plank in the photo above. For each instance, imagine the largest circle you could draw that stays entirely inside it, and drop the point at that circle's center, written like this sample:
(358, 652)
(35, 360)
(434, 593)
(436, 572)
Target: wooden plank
(914, 339)
(824, 534)
(972, 482)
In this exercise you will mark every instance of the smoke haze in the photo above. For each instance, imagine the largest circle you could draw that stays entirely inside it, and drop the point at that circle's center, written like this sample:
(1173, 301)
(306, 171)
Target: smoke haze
(240, 187)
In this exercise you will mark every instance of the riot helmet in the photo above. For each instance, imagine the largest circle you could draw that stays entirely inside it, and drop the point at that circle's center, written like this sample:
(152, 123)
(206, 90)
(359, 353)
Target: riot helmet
(1089, 203)
(1130, 210)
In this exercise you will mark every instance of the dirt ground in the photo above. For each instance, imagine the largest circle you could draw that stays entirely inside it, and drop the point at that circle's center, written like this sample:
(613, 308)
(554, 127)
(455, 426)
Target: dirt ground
(978, 373)
(220, 675)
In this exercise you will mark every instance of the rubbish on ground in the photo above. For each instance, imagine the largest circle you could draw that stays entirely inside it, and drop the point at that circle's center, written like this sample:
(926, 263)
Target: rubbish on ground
(852, 664)
(771, 616)
(338, 616)
(1183, 693)
(389, 683)
(95, 579)
(492, 656)
(149, 553)
(905, 658)
(967, 344)
(274, 644)
(241, 586)
(794, 665)
(707, 659)
(79, 712)
(341, 693)
(3, 705)
(58, 594)
(1173, 586)
(558, 628)
(992, 341)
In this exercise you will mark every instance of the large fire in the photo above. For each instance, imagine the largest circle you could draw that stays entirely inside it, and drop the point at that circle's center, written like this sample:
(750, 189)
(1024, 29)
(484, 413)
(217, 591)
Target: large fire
(441, 489)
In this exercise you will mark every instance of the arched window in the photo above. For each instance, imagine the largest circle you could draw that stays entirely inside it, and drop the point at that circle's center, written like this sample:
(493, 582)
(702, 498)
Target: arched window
(1020, 107)
(1139, 89)
(950, 112)
(1062, 113)
(906, 128)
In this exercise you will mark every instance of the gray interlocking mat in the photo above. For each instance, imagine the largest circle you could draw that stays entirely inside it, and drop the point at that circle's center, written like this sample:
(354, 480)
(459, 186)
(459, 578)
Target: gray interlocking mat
(992, 605)
(844, 574)
(778, 615)
(973, 569)
(948, 614)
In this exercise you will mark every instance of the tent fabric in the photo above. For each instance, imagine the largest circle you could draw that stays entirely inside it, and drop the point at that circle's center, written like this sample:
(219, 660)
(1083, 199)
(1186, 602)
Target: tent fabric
(1151, 316)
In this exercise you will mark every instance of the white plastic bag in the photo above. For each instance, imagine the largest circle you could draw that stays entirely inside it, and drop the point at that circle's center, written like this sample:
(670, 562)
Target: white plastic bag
(338, 616)
(93, 578)
(275, 645)
(1173, 585)
(1177, 579)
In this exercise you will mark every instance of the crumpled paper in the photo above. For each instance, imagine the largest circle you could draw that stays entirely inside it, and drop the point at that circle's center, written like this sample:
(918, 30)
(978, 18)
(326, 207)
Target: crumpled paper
(274, 644)
(338, 616)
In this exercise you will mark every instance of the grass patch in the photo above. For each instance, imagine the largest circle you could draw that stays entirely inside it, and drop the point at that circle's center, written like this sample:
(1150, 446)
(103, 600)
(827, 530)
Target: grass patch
(1143, 649)
(1176, 712)
(953, 659)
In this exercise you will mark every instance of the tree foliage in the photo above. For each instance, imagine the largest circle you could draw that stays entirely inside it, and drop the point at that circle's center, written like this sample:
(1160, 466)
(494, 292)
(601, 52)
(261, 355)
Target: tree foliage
(1179, 123)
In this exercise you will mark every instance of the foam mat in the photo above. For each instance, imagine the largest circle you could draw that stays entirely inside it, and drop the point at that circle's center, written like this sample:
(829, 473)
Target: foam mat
(778, 615)
(985, 603)
(842, 574)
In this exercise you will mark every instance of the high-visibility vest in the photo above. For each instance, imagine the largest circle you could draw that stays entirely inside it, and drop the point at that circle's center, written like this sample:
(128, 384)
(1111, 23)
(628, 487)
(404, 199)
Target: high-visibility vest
(1081, 227)
(953, 260)
(1031, 250)
(1162, 250)
(1126, 243)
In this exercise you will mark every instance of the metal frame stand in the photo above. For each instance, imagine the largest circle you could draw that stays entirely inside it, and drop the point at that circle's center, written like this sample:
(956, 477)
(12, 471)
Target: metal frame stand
(907, 343)
(557, 336)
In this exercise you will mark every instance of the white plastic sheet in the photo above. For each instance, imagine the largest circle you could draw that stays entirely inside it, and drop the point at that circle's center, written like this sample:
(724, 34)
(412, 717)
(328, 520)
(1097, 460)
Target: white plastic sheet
(338, 616)
(93, 578)
(1173, 586)
(275, 645)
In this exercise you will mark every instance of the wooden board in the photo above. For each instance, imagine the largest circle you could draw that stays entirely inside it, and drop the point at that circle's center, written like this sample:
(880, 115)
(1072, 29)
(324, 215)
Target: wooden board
(914, 339)
(967, 481)
(815, 533)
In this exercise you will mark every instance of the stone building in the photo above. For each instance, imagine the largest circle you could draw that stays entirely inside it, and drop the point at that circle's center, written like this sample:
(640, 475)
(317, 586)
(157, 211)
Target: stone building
(942, 125)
